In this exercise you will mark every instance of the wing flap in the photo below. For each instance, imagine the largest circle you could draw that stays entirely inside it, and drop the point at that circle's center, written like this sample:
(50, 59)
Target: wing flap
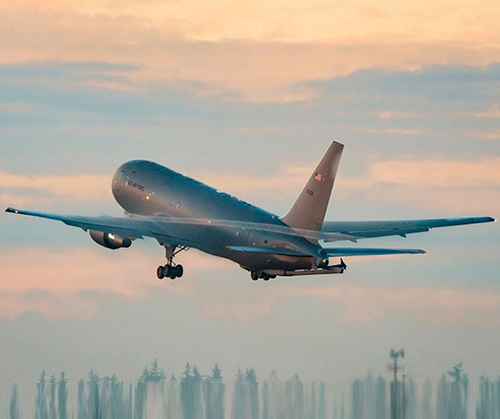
(369, 251)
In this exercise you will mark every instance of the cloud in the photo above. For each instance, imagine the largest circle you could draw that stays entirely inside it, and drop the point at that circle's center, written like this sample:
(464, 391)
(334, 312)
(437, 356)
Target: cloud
(66, 284)
(251, 52)
(14, 107)
(486, 135)
(25, 190)
(458, 186)
(493, 112)
(258, 130)
(437, 306)
(435, 173)
(395, 114)
(276, 186)
(390, 131)
(300, 21)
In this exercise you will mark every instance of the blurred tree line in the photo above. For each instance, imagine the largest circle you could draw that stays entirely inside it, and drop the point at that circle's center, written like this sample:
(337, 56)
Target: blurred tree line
(197, 396)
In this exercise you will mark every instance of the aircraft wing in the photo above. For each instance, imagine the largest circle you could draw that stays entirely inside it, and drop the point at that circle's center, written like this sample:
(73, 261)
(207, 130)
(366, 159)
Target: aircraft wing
(165, 229)
(124, 226)
(355, 230)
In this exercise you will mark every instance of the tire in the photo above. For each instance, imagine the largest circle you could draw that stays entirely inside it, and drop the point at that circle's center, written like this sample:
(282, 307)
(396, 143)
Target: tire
(179, 271)
(254, 275)
(167, 270)
(159, 273)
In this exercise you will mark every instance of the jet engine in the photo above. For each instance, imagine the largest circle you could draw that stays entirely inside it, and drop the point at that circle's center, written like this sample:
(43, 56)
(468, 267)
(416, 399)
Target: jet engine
(109, 240)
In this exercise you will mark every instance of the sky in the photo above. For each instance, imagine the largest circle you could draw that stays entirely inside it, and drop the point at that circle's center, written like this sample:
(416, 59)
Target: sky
(247, 97)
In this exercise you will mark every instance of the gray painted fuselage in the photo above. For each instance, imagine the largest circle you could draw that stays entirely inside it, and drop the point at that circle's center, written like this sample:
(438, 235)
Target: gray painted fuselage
(148, 189)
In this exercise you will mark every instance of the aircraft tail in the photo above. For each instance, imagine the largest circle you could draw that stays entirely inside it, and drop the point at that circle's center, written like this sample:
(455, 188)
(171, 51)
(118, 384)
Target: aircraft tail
(308, 212)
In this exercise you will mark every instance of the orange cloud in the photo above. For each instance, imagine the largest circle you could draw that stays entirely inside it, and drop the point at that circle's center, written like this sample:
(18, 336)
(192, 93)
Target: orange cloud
(68, 188)
(438, 173)
(313, 20)
(252, 51)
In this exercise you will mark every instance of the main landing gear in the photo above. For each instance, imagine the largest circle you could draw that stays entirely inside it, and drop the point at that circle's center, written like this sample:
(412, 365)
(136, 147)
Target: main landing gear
(171, 270)
(255, 275)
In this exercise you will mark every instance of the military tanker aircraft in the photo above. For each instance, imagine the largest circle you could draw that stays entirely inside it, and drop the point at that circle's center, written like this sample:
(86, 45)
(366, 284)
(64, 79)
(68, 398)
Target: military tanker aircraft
(182, 213)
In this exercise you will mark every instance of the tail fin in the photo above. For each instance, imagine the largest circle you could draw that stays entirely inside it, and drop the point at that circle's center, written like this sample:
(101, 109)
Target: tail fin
(308, 212)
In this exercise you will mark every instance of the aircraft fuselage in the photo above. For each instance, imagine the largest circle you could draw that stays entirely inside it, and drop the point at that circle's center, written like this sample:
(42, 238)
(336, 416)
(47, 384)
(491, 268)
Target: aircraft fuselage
(148, 189)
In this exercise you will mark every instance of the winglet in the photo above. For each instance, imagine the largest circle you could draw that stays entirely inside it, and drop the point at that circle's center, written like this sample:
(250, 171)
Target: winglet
(12, 210)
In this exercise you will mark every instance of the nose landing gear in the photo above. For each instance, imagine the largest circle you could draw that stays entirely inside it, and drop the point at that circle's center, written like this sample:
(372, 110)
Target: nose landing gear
(171, 270)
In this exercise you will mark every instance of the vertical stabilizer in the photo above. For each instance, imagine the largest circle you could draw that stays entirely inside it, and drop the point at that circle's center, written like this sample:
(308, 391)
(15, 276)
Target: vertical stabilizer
(308, 212)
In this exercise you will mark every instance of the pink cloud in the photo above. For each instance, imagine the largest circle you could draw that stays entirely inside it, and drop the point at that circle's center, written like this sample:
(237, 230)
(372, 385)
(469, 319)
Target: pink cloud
(447, 185)
(486, 135)
(439, 173)
(54, 283)
(67, 188)
(390, 130)
(493, 112)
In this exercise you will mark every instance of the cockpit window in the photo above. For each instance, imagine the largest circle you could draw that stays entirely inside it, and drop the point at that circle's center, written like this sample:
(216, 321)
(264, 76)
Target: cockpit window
(119, 180)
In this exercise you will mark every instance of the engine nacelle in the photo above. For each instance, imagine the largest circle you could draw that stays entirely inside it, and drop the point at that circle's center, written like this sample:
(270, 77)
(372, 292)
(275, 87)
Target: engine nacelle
(109, 240)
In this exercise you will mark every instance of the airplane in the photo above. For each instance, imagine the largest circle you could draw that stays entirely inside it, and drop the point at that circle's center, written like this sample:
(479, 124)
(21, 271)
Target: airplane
(182, 213)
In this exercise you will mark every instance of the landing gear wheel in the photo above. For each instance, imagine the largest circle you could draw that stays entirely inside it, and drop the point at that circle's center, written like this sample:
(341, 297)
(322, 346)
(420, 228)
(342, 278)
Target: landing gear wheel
(266, 277)
(254, 275)
(171, 270)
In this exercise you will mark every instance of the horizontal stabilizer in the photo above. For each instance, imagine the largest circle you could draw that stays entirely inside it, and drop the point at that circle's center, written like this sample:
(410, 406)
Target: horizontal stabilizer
(282, 251)
(367, 251)
(355, 230)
